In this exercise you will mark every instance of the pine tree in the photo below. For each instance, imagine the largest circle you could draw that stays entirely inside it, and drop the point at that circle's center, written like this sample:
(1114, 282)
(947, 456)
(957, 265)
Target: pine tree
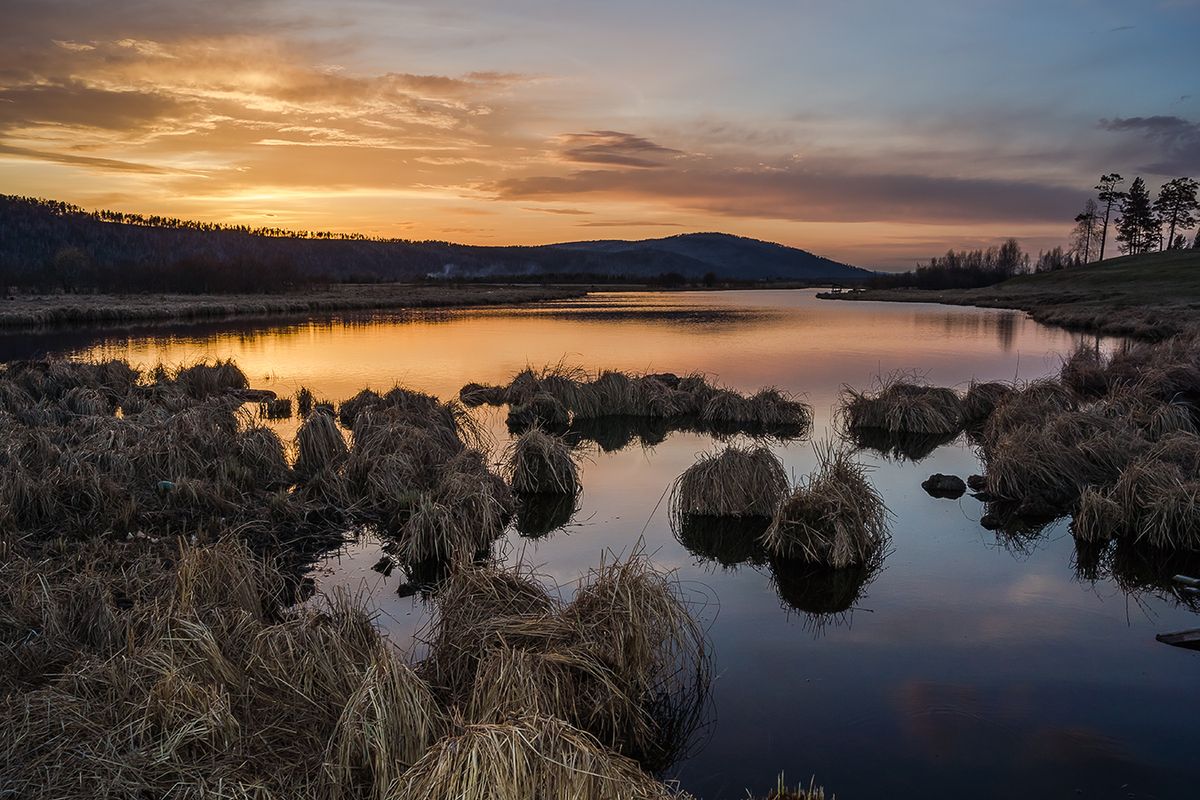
(1109, 195)
(1176, 206)
(1137, 229)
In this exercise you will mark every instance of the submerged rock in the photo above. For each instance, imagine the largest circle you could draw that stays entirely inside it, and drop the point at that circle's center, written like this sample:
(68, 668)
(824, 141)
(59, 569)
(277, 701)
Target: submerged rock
(950, 487)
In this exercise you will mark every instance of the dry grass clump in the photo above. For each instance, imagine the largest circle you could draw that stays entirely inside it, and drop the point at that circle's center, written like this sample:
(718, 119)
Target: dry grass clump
(982, 399)
(1155, 502)
(474, 395)
(539, 463)
(623, 661)
(212, 687)
(305, 399)
(898, 405)
(736, 482)
(542, 410)
(1046, 465)
(558, 395)
(320, 446)
(203, 468)
(205, 380)
(834, 517)
(410, 473)
(276, 408)
(527, 757)
(349, 409)
(1085, 371)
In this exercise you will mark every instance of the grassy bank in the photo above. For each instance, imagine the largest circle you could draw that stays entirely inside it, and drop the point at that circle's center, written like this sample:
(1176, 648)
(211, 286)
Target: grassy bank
(30, 311)
(1150, 296)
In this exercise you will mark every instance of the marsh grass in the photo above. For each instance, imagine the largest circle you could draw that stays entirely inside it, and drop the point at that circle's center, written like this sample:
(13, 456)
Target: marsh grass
(558, 395)
(833, 517)
(624, 661)
(900, 403)
(206, 682)
(1155, 502)
(540, 463)
(734, 482)
(982, 398)
(177, 665)
(320, 446)
(526, 757)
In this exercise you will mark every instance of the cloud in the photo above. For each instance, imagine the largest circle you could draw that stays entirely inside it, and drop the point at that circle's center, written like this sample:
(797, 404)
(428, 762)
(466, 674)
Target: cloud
(571, 212)
(829, 192)
(614, 148)
(107, 164)
(1175, 142)
(73, 103)
(629, 223)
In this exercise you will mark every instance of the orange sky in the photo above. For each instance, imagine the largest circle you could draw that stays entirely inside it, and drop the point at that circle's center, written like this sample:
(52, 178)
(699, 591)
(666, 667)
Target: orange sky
(548, 122)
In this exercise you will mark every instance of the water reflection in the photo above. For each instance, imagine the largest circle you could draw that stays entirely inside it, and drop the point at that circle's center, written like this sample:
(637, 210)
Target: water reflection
(727, 542)
(1139, 571)
(900, 445)
(824, 595)
(539, 515)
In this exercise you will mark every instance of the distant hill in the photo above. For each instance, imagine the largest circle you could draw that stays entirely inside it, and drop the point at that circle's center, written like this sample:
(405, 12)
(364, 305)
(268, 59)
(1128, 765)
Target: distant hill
(729, 257)
(47, 244)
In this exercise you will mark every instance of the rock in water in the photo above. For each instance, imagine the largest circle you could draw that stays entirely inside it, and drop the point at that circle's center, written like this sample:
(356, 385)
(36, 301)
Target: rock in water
(950, 487)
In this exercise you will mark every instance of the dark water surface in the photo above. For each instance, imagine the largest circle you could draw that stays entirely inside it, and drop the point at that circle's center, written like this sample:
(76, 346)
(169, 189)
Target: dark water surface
(971, 666)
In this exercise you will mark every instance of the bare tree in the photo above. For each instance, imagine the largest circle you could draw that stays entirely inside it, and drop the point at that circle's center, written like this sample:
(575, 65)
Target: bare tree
(1110, 195)
(1087, 229)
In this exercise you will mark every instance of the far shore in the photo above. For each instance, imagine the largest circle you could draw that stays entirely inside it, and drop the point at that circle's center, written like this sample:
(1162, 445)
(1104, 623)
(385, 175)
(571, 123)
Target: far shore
(1149, 297)
(23, 311)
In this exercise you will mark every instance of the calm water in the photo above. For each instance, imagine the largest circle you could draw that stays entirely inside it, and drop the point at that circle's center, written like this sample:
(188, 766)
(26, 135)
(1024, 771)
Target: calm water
(968, 667)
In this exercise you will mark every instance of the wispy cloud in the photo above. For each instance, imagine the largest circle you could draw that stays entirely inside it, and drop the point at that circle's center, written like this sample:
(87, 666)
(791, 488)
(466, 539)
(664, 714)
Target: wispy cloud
(1175, 142)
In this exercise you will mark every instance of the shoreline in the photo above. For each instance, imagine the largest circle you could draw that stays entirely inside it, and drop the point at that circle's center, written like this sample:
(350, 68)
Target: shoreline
(1100, 316)
(1152, 297)
(54, 312)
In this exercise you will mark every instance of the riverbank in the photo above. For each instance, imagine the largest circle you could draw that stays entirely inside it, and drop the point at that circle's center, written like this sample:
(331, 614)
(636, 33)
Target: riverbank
(1150, 297)
(40, 311)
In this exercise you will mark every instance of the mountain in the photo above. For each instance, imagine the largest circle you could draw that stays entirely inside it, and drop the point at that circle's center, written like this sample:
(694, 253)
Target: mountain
(729, 256)
(47, 244)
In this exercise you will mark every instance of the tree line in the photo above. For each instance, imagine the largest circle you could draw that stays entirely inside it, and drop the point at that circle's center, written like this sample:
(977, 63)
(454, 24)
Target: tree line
(1138, 224)
(49, 246)
(1141, 225)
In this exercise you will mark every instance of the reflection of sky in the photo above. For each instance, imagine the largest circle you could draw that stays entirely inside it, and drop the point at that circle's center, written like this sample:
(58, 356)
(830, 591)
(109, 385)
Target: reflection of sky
(964, 668)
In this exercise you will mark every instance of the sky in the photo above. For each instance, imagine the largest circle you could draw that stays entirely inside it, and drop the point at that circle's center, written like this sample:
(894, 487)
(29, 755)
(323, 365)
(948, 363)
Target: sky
(870, 132)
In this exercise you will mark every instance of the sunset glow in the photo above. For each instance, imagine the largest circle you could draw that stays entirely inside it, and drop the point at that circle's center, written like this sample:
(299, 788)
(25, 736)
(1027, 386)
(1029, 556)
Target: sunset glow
(532, 122)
